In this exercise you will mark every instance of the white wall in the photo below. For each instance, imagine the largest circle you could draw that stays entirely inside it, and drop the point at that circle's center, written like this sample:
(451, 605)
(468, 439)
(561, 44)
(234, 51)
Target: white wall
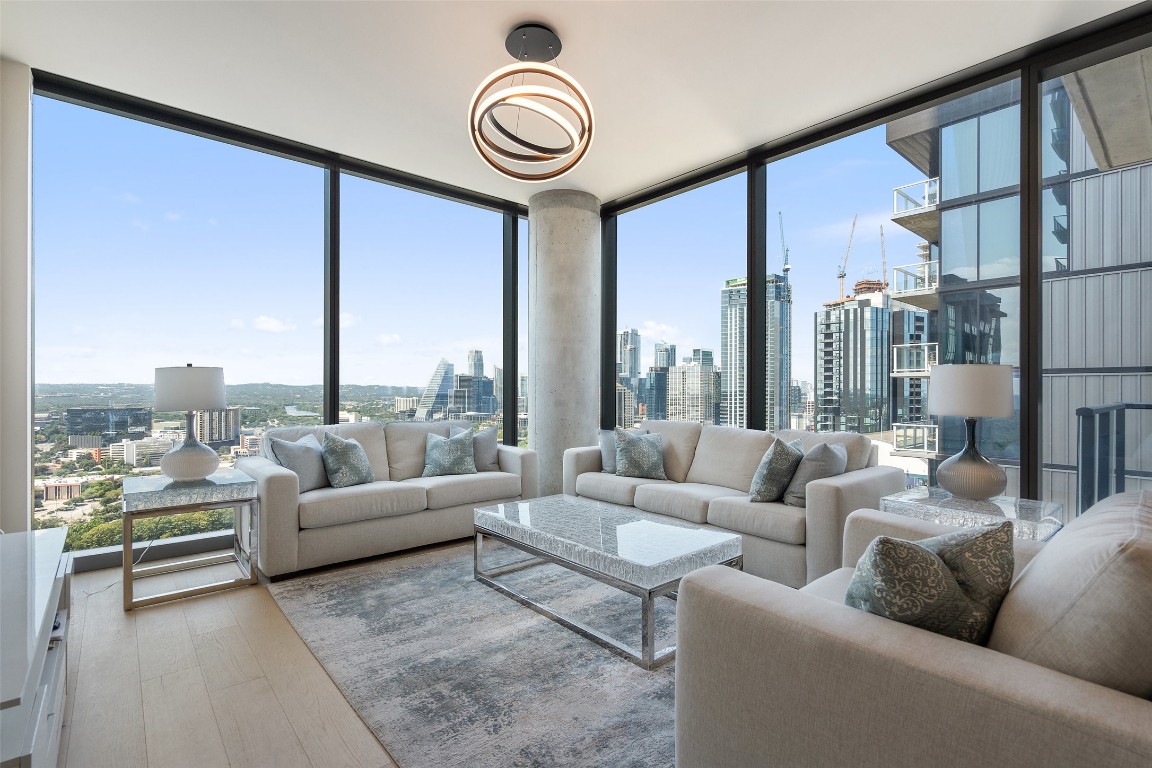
(15, 296)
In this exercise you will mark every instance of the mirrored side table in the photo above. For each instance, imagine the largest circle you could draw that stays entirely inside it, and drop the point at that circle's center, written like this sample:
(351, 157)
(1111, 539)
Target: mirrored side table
(158, 495)
(1038, 520)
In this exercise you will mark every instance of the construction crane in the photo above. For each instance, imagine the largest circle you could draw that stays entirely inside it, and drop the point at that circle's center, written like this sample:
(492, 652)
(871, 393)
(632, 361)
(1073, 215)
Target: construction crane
(843, 271)
(883, 263)
(783, 248)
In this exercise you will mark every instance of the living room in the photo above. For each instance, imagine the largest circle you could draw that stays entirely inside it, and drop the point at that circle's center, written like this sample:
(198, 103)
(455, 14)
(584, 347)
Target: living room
(745, 233)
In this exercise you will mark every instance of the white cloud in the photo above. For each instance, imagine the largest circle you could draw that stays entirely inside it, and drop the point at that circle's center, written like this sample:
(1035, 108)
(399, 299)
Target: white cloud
(236, 323)
(653, 331)
(347, 320)
(212, 222)
(388, 339)
(128, 197)
(173, 216)
(271, 324)
(140, 224)
(867, 229)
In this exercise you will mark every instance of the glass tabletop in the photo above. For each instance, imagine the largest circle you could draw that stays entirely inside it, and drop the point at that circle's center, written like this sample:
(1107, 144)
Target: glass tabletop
(1039, 520)
(158, 492)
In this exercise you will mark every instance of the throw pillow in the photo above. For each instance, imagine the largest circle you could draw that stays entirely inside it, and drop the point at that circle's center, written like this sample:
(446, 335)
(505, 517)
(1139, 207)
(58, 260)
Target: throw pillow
(776, 470)
(449, 455)
(607, 439)
(304, 458)
(823, 460)
(951, 584)
(485, 451)
(346, 462)
(639, 455)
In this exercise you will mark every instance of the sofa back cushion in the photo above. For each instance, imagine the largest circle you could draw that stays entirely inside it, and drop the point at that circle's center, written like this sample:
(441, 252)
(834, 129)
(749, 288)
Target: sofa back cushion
(407, 441)
(1083, 606)
(370, 435)
(728, 456)
(680, 438)
(858, 446)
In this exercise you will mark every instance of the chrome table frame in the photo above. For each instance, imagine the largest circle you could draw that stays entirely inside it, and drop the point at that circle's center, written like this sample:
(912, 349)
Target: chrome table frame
(648, 657)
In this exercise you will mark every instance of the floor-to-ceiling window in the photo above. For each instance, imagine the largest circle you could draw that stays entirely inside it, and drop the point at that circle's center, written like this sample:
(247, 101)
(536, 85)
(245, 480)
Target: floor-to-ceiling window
(1096, 254)
(681, 308)
(155, 248)
(420, 306)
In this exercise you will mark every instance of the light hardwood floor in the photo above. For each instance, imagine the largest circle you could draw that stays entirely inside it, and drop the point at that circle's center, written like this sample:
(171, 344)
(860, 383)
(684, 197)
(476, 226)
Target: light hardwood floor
(215, 680)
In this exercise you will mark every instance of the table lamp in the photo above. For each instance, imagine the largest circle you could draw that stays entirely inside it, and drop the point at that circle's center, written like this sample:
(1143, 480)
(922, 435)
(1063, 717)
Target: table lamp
(970, 391)
(190, 389)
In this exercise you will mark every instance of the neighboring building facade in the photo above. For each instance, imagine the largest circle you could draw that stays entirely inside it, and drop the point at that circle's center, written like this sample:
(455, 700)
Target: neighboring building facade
(628, 357)
(435, 400)
(107, 424)
(218, 428)
(734, 358)
(851, 356)
(692, 392)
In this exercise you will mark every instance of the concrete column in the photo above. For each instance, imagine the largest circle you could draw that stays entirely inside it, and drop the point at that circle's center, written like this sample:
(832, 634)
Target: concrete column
(15, 296)
(564, 328)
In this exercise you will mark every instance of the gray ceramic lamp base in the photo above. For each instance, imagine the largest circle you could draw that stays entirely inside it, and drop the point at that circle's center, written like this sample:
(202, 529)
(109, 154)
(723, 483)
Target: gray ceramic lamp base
(969, 475)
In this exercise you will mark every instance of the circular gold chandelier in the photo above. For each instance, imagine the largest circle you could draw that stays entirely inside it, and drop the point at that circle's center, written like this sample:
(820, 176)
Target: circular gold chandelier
(531, 121)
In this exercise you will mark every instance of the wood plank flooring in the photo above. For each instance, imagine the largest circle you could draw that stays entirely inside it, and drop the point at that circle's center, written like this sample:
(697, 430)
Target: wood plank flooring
(215, 680)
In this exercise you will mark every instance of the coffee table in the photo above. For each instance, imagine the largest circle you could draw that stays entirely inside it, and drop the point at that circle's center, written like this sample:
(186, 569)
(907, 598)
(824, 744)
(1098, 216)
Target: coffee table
(638, 552)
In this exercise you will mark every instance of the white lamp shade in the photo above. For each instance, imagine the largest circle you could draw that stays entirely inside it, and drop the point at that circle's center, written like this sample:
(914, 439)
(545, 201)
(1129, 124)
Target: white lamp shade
(970, 390)
(189, 388)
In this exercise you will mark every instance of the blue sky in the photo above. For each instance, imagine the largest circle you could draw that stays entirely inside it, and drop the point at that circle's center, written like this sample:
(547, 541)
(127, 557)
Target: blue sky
(154, 247)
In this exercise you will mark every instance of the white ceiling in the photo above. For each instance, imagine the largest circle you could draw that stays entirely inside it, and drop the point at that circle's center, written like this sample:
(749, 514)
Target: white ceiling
(675, 85)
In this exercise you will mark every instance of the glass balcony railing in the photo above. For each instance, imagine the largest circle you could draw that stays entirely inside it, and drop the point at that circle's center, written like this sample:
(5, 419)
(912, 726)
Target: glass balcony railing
(915, 278)
(913, 359)
(916, 197)
(921, 438)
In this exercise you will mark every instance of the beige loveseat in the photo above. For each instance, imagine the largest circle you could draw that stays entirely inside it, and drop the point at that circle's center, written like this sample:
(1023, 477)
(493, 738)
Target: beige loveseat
(710, 471)
(399, 511)
(768, 676)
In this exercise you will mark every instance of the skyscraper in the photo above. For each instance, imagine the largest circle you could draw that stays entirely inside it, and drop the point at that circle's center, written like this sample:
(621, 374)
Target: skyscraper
(734, 358)
(476, 363)
(628, 356)
(656, 402)
(692, 392)
(665, 355)
(437, 394)
(851, 356)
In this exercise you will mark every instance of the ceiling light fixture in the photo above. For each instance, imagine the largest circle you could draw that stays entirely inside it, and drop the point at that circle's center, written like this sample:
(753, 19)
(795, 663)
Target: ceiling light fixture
(531, 121)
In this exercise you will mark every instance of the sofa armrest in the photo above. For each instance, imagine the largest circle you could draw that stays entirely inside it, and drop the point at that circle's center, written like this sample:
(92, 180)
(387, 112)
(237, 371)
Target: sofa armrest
(766, 675)
(577, 461)
(279, 523)
(523, 462)
(864, 525)
(830, 501)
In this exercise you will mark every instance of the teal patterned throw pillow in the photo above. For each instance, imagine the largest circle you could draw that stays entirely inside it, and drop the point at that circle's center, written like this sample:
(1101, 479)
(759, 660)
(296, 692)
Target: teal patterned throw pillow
(951, 584)
(776, 470)
(345, 462)
(639, 455)
(449, 455)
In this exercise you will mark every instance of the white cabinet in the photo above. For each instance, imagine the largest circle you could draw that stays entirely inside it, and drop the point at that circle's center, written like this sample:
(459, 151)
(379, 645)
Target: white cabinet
(35, 579)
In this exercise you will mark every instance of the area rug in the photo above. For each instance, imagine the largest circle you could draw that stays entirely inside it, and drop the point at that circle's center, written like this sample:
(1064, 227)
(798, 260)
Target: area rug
(448, 672)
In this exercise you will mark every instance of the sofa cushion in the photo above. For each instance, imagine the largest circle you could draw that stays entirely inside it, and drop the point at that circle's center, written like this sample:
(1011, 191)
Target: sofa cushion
(680, 438)
(336, 506)
(607, 440)
(728, 456)
(611, 488)
(370, 435)
(768, 520)
(407, 441)
(639, 455)
(485, 447)
(951, 584)
(345, 462)
(859, 447)
(303, 457)
(776, 470)
(1083, 606)
(688, 501)
(453, 490)
(449, 455)
(823, 460)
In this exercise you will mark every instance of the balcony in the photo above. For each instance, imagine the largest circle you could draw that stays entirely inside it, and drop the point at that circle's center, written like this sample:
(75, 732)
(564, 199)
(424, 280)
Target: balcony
(913, 360)
(918, 440)
(916, 284)
(914, 207)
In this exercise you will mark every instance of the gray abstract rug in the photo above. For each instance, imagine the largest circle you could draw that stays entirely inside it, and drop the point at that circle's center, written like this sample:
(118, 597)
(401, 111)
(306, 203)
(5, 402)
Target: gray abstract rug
(448, 672)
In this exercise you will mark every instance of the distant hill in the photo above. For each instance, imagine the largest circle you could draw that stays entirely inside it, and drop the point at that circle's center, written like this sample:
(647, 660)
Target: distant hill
(60, 396)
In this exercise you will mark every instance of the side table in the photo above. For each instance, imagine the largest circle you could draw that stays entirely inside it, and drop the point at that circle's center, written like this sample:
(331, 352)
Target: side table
(158, 495)
(1038, 520)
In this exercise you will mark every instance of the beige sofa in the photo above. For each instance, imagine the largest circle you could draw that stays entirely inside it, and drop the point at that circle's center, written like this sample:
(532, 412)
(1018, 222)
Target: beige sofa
(399, 511)
(710, 471)
(768, 676)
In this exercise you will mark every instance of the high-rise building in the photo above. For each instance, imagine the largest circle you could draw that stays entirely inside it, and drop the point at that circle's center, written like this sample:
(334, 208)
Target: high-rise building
(498, 387)
(628, 357)
(476, 363)
(851, 360)
(693, 390)
(108, 424)
(656, 393)
(218, 428)
(665, 355)
(625, 407)
(435, 400)
(777, 347)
